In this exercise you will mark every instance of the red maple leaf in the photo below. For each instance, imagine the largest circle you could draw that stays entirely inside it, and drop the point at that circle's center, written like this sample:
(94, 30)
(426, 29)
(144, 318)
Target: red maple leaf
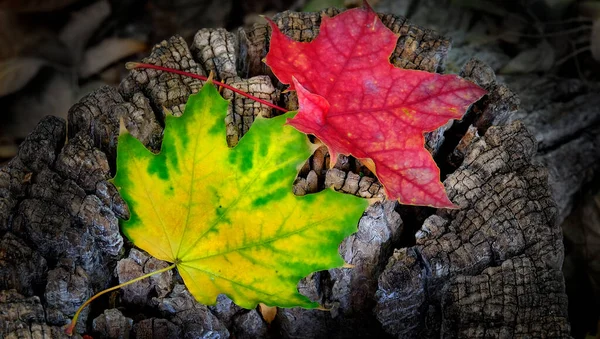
(357, 103)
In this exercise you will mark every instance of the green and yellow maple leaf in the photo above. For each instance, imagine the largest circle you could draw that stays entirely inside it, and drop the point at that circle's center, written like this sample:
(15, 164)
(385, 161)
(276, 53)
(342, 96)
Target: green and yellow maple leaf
(227, 217)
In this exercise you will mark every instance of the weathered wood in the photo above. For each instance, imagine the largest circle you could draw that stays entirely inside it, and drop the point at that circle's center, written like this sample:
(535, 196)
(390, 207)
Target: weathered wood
(564, 117)
(480, 270)
(486, 267)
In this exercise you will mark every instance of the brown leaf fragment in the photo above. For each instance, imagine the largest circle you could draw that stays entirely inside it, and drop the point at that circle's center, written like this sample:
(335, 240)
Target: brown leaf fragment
(537, 59)
(107, 52)
(268, 313)
(17, 72)
(82, 25)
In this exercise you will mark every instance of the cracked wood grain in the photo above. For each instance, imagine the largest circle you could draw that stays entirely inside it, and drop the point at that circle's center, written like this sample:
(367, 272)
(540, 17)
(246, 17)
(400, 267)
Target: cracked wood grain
(483, 270)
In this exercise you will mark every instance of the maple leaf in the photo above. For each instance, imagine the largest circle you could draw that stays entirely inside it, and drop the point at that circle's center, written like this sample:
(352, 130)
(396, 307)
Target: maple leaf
(357, 103)
(227, 217)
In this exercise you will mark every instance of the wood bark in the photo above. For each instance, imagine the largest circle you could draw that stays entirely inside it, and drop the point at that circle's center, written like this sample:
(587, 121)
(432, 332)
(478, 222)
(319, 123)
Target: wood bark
(488, 269)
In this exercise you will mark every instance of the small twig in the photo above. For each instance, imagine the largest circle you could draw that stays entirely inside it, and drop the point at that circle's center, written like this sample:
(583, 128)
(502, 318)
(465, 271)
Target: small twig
(553, 34)
(134, 65)
(568, 21)
(571, 55)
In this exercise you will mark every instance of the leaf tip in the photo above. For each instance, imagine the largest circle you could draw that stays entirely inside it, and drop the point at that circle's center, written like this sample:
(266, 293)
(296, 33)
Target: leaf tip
(167, 111)
(446, 203)
(333, 156)
(268, 313)
(347, 265)
(442, 203)
(452, 206)
(122, 127)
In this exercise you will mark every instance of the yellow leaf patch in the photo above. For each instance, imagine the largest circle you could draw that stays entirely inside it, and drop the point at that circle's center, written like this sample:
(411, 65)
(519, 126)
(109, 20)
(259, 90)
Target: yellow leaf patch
(228, 217)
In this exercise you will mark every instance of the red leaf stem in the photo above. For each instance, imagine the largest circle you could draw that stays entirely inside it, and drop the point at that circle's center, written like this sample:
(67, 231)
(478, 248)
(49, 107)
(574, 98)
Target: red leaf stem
(133, 65)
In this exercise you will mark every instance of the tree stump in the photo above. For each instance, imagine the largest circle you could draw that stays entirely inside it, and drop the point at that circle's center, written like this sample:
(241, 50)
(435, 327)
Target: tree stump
(489, 269)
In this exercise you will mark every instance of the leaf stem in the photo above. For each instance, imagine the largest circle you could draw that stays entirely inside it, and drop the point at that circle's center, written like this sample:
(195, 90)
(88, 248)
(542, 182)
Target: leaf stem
(71, 327)
(134, 65)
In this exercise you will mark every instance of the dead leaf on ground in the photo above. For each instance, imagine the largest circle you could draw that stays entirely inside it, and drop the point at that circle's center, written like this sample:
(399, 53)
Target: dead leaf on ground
(82, 26)
(16, 73)
(537, 59)
(107, 52)
(34, 5)
(52, 93)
